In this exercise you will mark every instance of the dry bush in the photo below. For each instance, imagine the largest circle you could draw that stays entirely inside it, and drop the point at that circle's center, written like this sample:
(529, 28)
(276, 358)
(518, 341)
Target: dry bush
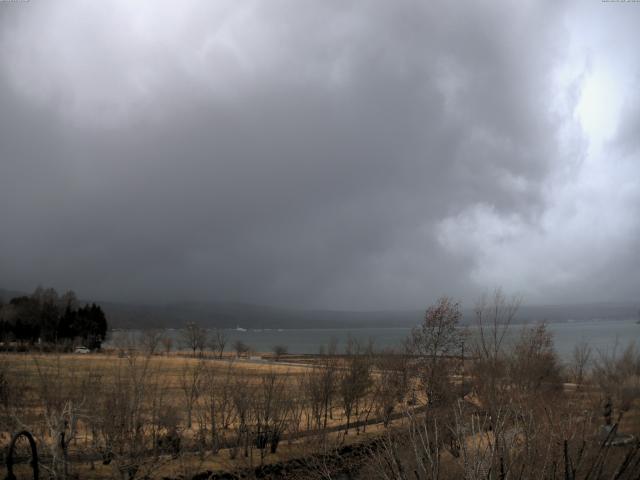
(523, 426)
(127, 422)
(65, 397)
(533, 366)
(13, 390)
(617, 374)
(516, 443)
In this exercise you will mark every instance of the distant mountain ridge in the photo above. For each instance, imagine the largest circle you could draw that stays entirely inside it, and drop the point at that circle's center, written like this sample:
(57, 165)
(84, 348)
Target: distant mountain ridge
(232, 314)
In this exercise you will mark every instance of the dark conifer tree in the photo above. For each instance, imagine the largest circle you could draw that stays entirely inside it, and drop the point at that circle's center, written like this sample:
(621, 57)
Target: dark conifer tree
(46, 317)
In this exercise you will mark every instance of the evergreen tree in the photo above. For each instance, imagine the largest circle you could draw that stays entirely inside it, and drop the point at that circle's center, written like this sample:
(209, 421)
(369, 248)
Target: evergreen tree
(44, 316)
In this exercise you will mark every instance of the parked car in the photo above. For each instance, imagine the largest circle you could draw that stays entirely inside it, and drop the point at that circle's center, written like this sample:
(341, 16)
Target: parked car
(82, 350)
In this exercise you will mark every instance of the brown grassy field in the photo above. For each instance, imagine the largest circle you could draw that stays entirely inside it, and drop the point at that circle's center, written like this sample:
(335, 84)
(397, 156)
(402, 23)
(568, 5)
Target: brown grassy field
(44, 385)
(131, 415)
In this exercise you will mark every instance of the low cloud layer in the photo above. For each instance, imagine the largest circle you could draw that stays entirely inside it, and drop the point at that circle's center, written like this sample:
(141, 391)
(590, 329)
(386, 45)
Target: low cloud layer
(367, 155)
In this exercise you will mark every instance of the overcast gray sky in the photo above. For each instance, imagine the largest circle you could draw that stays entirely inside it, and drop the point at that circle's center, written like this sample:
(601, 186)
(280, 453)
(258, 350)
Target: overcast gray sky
(331, 154)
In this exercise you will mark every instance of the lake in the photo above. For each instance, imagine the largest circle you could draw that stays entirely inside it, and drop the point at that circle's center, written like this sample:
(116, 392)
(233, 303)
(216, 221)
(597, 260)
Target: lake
(600, 335)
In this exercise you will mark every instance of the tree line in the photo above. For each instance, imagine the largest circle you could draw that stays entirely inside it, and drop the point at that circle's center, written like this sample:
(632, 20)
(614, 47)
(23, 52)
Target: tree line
(49, 318)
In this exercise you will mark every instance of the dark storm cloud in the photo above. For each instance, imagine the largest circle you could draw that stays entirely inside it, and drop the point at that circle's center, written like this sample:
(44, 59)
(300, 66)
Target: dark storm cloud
(300, 153)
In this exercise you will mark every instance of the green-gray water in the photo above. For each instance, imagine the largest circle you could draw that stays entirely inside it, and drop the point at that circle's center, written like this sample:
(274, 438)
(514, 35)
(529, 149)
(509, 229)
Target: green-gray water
(600, 335)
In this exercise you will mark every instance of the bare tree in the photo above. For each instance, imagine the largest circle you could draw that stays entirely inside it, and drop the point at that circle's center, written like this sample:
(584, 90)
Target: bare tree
(218, 342)
(279, 351)
(64, 395)
(299, 404)
(218, 405)
(320, 385)
(194, 337)
(242, 397)
(151, 339)
(329, 378)
(437, 343)
(493, 318)
(270, 411)
(534, 368)
(122, 430)
(580, 360)
(524, 443)
(69, 300)
(355, 380)
(312, 382)
(241, 348)
(391, 384)
(191, 385)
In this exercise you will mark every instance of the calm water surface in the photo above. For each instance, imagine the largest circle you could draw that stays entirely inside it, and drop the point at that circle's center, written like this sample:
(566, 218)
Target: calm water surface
(600, 335)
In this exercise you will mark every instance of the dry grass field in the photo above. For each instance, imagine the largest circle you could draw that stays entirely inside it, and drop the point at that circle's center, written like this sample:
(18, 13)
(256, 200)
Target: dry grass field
(505, 411)
(97, 399)
(122, 410)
